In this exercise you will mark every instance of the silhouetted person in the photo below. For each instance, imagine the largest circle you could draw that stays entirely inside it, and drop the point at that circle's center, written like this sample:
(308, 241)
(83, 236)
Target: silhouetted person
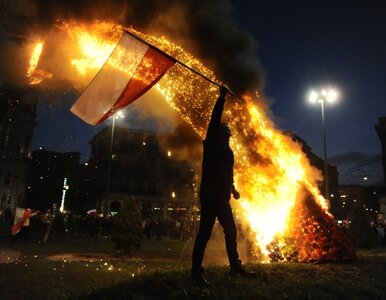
(8, 216)
(47, 220)
(215, 191)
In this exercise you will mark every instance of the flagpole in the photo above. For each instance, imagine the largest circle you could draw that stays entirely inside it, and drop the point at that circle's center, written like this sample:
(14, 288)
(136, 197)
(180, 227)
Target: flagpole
(179, 62)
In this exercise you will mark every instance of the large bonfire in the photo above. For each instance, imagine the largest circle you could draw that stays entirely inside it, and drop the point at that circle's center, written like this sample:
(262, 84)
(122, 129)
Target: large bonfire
(281, 207)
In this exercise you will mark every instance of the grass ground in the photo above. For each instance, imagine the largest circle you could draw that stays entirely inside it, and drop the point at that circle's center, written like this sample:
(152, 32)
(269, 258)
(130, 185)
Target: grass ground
(80, 268)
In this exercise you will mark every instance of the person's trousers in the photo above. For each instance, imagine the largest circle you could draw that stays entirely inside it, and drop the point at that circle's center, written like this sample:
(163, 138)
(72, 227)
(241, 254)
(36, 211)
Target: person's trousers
(24, 231)
(209, 213)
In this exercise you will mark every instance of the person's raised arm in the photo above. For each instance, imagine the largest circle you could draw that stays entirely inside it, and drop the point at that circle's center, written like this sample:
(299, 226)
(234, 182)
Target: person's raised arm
(215, 119)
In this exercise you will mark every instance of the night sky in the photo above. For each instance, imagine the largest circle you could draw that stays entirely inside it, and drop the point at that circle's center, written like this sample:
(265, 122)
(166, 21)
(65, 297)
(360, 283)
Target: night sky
(301, 45)
(310, 44)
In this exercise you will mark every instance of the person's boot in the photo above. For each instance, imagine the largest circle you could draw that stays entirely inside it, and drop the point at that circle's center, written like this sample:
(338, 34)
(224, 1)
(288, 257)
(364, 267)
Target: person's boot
(238, 269)
(199, 279)
(201, 282)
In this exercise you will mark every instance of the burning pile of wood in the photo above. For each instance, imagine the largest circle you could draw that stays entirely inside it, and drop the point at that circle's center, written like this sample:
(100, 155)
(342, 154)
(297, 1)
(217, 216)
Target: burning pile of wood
(316, 235)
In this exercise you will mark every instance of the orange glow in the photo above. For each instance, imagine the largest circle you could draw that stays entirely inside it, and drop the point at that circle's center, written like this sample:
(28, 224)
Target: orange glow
(95, 43)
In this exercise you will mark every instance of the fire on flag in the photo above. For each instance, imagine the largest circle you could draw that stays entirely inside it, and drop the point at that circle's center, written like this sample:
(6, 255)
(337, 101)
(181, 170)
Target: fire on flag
(131, 70)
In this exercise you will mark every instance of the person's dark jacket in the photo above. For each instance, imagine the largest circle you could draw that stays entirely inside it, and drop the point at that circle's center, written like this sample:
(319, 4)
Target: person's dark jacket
(217, 164)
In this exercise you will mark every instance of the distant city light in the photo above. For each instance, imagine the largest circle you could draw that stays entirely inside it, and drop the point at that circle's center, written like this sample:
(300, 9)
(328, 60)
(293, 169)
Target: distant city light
(65, 188)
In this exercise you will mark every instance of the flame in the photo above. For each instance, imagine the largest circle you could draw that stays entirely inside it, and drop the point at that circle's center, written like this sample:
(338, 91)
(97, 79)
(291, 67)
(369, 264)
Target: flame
(36, 76)
(96, 42)
(269, 178)
(96, 54)
(33, 62)
(272, 173)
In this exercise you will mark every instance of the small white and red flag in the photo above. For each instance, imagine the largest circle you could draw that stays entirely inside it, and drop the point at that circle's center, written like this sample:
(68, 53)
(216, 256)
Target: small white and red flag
(131, 70)
(21, 219)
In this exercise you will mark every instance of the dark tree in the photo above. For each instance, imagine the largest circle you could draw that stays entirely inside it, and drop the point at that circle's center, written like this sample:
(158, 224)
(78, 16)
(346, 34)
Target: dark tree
(361, 233)
(127, 227)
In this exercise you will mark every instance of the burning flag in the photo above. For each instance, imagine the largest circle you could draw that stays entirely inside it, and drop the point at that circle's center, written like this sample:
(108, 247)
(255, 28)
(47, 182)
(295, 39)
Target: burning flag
(131, 70)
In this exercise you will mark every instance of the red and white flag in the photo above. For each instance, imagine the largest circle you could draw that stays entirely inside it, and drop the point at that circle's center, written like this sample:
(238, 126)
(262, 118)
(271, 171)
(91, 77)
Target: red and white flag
(131, 70)
(21, 218)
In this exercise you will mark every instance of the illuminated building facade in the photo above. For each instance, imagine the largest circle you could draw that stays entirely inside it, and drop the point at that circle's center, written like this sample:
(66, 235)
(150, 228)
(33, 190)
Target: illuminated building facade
(367, 197)
(141, 166)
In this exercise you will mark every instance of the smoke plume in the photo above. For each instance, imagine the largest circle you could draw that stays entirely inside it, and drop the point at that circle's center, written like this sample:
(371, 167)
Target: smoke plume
(205, 28)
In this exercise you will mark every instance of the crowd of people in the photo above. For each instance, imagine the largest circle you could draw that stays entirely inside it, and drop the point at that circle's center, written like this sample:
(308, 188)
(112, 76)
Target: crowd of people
(47, 225)
(379, 226)
(53, 225)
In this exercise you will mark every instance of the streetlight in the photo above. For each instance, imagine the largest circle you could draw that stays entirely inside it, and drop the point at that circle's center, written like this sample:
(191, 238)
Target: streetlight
(322, 96)
(118, 115)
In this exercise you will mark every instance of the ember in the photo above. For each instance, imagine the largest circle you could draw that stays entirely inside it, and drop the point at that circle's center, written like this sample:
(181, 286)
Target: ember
(281, 206)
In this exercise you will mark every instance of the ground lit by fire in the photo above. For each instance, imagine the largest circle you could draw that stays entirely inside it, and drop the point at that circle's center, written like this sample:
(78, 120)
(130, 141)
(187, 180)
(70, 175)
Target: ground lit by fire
(281, 208)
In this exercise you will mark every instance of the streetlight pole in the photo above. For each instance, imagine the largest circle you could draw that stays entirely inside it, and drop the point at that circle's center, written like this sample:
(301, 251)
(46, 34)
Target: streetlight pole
(326, 185)
(110, 157)
(110, 154)
(330, 96)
